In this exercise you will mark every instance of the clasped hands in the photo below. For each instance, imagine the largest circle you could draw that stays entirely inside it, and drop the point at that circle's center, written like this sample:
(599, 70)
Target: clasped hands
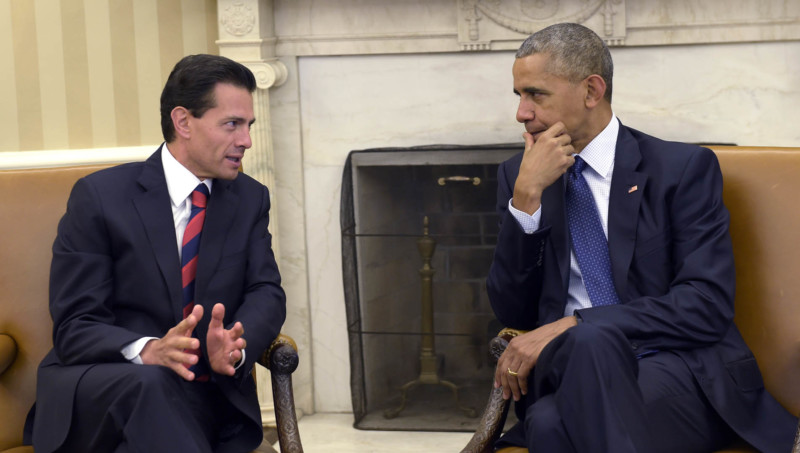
(517, 361)
(224, 346)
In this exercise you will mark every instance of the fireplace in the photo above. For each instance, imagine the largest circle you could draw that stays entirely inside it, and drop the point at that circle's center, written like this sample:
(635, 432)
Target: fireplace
(419, 227)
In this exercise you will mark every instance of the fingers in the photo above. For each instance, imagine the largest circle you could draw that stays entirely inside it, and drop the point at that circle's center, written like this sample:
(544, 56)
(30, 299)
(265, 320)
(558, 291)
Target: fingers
(217, 317)
(513, 369)
(188, 324)
(528, 140)
(555, 130)
(171, 352)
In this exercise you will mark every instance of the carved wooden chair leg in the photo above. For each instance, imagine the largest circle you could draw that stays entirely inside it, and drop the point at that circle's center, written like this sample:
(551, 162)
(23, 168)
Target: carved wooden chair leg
(494, 416)
(282, 360)
(491, 425)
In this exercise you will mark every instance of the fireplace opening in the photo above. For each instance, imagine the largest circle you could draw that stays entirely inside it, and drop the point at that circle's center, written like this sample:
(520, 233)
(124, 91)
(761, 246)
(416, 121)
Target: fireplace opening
(419, 227)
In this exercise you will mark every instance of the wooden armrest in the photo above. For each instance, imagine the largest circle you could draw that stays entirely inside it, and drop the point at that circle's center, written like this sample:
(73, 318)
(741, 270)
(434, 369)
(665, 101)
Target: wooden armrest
(8, 351)
(282, 359)
(494, 416)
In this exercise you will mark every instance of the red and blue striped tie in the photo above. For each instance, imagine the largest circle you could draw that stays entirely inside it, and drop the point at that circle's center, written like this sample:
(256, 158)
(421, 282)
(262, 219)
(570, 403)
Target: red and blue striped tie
(190, 247)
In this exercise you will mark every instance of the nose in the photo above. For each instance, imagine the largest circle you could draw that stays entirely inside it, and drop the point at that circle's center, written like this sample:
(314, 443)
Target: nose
(524, 112)
(244, 140)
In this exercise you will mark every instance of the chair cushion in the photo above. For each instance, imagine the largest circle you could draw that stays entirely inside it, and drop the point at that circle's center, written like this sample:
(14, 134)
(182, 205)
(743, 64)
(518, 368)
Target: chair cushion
(26, 449)
(738, 447)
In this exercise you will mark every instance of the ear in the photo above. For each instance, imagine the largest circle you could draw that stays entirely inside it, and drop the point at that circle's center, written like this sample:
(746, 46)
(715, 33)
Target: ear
(595, 90)
(180, 121)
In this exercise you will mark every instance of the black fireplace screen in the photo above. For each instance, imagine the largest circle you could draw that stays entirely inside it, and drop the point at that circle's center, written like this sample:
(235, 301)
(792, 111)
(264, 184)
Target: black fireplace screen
(419, 227)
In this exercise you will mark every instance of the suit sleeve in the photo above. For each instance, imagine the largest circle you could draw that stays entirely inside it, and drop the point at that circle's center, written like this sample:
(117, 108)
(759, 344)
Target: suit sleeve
(694, 256)
(515, 277)
(263, 307)
(81, 285)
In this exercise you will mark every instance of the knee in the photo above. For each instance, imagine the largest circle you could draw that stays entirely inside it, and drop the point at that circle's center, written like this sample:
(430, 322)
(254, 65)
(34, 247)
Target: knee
(590, 337)
(152, 380)
(586, 344)
(544, 426)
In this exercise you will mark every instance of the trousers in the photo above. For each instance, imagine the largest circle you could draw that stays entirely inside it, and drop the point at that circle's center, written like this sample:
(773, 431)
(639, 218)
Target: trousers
(589, 393)
(124, 407)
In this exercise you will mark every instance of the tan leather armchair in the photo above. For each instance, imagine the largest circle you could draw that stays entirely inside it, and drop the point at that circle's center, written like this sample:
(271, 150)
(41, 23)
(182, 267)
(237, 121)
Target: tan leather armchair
(33, 202)
(761, 185)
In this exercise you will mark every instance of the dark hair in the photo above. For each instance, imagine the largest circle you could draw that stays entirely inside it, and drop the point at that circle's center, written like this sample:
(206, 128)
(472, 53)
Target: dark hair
(191, 85)
(576, 52)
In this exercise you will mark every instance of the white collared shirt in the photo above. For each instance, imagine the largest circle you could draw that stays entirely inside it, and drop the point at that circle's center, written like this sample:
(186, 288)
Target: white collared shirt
(180, 184)
(599, 156)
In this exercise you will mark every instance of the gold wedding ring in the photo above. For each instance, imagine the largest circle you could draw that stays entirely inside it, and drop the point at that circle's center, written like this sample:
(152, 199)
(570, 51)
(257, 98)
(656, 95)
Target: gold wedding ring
(512, 373)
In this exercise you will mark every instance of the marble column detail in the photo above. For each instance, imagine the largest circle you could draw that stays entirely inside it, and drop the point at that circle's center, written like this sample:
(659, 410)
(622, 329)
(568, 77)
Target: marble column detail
(246, 35)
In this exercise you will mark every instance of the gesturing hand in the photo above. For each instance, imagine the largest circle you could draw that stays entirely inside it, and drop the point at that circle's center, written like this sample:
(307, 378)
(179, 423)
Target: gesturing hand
(224, 346)
(522, 354)
(172, 349)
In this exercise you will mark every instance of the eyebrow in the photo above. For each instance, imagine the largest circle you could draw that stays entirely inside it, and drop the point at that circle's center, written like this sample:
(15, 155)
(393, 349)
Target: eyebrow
(238, 119)
(532, 90)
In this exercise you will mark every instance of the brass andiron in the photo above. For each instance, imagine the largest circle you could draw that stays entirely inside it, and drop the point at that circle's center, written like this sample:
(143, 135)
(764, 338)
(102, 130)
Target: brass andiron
(428, 373)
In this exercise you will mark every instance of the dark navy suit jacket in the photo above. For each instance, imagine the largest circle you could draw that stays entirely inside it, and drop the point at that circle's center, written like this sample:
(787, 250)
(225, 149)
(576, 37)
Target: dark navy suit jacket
(672, 264)
(116, 277)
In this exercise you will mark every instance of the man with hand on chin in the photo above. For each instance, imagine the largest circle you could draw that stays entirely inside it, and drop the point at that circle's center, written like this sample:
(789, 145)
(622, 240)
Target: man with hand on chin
(164, 290)
(614, 253)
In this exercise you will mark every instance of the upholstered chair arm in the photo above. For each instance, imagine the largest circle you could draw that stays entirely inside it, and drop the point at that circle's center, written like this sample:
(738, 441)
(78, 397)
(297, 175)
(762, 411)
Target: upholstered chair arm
(494, 416)
(282, 359)
(8, 351)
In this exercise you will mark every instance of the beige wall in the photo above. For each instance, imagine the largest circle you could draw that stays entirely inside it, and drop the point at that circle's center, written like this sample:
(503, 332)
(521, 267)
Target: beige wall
(88, 73)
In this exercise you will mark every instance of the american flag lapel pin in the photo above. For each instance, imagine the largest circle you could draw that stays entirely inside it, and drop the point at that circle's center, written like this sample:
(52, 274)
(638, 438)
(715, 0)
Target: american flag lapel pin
(633, 189)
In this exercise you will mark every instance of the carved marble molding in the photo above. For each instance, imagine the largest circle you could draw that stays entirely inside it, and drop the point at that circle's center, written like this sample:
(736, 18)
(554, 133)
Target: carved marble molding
(305, 28)
(270, 73)
(483, 23)
(237, 19)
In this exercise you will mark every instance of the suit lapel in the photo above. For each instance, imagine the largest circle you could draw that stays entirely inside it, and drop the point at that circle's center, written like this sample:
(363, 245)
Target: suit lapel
(627, 187)
(222, 206)
(554, 214)
(153, 207)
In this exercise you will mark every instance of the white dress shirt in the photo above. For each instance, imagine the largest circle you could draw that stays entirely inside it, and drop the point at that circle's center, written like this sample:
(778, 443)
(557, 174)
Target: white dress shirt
(599, 157)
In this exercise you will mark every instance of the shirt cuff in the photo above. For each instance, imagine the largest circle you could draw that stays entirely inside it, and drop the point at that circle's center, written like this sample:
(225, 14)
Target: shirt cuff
(132, 350)
(239, 364)
(528, 222)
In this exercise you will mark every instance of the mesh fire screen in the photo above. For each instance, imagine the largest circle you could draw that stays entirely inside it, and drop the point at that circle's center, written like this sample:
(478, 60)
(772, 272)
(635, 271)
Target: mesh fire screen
(419, 227)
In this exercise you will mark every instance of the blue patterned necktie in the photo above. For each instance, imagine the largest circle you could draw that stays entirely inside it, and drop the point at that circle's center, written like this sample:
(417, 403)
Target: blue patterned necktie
(189, 250)
(588, 240)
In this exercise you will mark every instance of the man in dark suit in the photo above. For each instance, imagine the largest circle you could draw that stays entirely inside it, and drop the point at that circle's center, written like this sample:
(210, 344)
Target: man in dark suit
(632, 345)
(152, 354)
